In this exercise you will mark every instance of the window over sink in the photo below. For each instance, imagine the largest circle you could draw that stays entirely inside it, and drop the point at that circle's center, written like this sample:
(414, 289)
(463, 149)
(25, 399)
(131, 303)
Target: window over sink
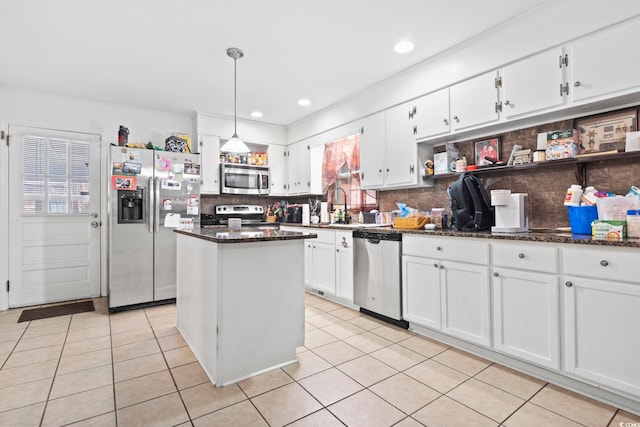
(341, 171)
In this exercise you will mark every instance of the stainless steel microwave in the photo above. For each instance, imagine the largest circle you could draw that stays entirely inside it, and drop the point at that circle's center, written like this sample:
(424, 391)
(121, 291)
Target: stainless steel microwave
(244, 179)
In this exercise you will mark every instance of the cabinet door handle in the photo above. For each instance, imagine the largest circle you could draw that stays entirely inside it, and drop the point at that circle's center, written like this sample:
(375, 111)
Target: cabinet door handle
(495, 274)
(604, 263)
(456, 118)
(438, 248)
(576, 84)
(337, 250)
(568, 284)
(435, 265)
(446, 122)
(520, 255)
(415, 129)
(507, 102)
(441, 267)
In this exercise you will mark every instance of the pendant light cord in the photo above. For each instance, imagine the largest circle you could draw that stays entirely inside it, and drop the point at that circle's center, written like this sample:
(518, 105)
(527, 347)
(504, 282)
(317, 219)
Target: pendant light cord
(235, 97)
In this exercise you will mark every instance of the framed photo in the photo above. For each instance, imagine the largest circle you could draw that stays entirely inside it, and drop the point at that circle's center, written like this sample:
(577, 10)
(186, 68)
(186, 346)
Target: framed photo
(489, 149)
(605, 132)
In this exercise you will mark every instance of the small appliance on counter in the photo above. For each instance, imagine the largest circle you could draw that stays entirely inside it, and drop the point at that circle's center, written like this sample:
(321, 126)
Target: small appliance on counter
(249, 215)
(511, 213)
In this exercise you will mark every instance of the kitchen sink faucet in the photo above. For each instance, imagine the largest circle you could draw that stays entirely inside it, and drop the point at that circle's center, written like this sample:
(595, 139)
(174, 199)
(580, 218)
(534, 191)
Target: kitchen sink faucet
(346, 216)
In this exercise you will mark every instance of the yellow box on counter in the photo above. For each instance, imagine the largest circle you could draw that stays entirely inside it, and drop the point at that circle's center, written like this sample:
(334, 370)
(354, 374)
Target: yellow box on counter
(562, 144)
(603, 229)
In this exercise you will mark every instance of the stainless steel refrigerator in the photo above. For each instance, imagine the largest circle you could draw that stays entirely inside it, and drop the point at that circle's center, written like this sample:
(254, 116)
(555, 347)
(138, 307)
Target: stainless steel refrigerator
(150, 194)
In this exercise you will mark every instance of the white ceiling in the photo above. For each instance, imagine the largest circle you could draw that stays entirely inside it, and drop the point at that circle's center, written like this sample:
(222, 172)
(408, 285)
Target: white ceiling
(170, 55)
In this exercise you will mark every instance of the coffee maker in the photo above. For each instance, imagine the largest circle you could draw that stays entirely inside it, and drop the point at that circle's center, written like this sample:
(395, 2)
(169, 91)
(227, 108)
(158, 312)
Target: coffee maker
(511, 213)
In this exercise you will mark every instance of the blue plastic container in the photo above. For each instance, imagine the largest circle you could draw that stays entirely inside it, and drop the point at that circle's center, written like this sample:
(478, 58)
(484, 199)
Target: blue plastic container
(580, 218)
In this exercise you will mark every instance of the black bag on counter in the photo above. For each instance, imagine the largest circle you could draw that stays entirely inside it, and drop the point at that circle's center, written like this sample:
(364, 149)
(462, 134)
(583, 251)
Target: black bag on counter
(471, 208)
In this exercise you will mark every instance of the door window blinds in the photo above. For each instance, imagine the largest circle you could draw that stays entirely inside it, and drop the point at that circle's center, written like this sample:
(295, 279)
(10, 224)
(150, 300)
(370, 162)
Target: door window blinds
(55, 176)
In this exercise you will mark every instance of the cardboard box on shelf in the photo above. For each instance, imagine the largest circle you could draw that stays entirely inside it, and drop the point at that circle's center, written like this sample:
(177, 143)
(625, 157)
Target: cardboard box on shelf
(562, 144)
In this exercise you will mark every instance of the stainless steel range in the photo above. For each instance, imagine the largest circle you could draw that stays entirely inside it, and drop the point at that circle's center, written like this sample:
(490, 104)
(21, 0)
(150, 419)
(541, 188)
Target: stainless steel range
(250, 215)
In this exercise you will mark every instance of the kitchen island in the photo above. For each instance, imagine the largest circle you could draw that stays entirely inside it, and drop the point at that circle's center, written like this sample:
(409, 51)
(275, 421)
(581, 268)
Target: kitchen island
(240, 299)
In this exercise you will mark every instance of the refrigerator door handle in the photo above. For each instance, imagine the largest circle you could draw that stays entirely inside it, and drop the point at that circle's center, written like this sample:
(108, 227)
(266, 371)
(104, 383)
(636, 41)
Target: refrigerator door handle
(156, 203)
(151, 196)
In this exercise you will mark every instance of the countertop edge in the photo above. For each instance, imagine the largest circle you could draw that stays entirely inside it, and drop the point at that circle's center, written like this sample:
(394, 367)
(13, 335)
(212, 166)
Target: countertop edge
(208, 234)
(550, 236)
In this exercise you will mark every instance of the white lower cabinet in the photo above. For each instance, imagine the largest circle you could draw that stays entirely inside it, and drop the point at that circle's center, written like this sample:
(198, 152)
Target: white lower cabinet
(421, 291)
(323, 267)
(328, 262)
(466, 302)
(344, 265)
(526, 320)
(448, 293)
(601, 314)
(526, 303)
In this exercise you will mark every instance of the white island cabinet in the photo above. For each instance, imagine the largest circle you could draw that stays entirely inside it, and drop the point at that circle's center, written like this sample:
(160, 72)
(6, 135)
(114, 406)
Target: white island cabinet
(240, 300)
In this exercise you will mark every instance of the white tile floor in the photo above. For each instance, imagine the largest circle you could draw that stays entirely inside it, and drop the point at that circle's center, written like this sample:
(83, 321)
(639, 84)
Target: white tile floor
(134, 369)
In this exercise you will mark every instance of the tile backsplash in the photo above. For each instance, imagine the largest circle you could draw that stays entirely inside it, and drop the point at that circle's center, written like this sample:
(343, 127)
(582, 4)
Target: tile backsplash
(546, 186)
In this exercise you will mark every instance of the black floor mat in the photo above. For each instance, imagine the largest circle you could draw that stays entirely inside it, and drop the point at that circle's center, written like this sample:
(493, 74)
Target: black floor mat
(56, 310)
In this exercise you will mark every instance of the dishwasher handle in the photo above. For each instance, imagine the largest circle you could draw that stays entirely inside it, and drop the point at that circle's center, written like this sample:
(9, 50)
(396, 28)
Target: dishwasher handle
(373, 241)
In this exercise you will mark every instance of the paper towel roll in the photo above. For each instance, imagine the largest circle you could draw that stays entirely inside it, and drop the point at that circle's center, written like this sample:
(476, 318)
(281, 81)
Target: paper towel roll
(324, 212)
(305, 215)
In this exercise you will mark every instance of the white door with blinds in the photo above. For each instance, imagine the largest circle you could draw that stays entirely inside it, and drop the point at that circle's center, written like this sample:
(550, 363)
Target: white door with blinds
(54, 216)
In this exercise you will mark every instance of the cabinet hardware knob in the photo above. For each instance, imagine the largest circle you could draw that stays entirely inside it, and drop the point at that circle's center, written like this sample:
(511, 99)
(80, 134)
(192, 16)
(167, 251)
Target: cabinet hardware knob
(387, 170)
(507, 102)
(604, 263)
(495, 274)
(380, 170)
(435, 265)
(568, 284)
(456, 118)
(337, 250)
(576, 84)
(438, 248)
(446, 122)
(441, 267)
(521, 255)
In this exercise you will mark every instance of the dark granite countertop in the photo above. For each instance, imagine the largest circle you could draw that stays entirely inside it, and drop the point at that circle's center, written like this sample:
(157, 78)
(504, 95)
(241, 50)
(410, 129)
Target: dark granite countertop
(223, 234)
(559, 235)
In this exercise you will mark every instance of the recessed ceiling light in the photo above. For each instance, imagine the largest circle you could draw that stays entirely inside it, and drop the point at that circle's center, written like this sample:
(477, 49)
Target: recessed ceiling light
(304, 102)
(403, 47)
(256, 114)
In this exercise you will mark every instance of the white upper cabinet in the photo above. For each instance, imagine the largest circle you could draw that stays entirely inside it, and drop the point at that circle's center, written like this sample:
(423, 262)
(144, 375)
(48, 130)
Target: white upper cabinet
(431, 115)
(210, 163)
(534, 84)
(401, 149)
(277, 170)
(474, 102)
(605, 63)
(372, 151)
(298, 168)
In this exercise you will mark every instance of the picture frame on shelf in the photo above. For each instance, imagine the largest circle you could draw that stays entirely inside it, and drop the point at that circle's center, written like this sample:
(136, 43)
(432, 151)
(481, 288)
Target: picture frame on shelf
(489, 148)
(605, 133)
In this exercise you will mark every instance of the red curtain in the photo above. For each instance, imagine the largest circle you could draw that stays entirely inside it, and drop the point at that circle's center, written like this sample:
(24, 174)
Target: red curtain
(338, 154)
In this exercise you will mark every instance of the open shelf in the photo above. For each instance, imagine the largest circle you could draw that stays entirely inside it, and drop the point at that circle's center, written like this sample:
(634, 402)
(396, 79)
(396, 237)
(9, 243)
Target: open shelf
(578, 161)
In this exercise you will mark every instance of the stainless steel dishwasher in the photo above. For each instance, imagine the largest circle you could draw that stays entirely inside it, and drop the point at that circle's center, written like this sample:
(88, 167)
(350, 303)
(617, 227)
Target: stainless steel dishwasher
(377, 275)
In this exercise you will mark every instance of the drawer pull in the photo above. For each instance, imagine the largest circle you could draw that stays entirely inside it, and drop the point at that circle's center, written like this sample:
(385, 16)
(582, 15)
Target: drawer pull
(495, 274)
(604, 263)
(568, 284)
(520, 255)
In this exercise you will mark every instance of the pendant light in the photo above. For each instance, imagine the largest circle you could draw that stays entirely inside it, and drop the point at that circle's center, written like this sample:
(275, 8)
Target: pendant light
(235, 144)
